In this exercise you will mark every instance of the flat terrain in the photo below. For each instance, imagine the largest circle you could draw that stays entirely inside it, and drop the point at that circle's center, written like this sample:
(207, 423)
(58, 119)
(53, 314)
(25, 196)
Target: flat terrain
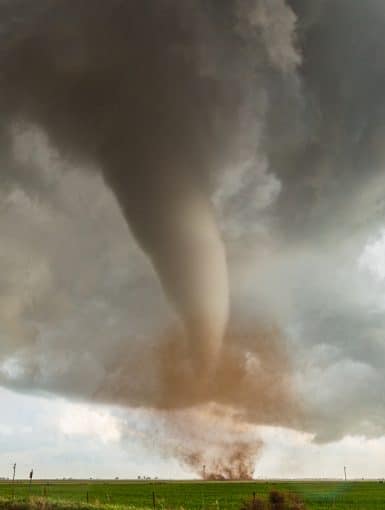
(194, 495)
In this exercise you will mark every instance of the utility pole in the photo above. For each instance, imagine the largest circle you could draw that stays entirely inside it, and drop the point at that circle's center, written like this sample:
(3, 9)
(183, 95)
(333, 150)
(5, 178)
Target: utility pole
(204, 472)
(13, 480)
(345, 472)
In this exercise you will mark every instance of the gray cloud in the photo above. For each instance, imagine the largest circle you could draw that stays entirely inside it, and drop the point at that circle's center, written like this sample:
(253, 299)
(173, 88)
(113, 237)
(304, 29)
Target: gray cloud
(293, 168)
(333, 164)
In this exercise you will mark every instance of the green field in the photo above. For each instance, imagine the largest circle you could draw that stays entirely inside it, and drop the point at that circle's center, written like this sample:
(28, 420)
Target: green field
(196, 495)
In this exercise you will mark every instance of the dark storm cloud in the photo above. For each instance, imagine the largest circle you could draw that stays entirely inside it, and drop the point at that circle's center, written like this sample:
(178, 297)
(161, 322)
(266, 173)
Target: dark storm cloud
(146, 92)
(338, 151)
(273, 109)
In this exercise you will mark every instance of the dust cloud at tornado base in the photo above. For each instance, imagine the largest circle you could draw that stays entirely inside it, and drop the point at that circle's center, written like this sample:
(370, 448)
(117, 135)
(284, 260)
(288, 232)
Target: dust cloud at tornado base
(171, 102)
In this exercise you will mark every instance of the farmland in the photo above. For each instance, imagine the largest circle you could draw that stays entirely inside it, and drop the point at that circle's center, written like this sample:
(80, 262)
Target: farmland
(189, 495)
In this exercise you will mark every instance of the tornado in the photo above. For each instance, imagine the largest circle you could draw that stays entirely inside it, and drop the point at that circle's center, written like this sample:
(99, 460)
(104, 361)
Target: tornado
(173, 221)
(161, 98)
(276, 108)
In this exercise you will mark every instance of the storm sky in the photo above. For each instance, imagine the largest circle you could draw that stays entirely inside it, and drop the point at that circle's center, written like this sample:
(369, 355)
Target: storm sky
(85, 298)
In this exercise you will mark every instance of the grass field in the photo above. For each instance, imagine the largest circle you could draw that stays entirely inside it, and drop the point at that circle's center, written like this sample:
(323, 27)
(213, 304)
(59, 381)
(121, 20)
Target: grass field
(194, 495)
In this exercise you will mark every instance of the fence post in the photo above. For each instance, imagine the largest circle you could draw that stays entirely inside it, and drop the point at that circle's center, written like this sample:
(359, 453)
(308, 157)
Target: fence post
(153, 500)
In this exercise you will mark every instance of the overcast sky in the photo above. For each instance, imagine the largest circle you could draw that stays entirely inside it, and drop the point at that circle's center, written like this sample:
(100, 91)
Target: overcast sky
(76, 286)
(89, 364)
(59, 438)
